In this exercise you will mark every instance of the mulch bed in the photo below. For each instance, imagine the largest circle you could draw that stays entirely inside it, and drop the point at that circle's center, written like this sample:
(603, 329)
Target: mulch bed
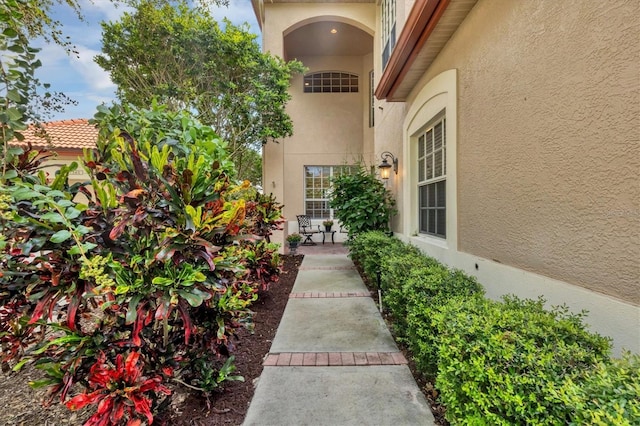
(227, 407)
(21, 405)
(230, 406)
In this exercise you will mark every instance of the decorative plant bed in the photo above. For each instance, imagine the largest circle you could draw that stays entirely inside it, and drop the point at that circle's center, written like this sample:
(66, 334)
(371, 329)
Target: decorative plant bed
(227, 407)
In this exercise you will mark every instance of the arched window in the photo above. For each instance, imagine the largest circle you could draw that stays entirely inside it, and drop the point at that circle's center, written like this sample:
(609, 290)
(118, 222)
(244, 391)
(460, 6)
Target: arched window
(330, 82)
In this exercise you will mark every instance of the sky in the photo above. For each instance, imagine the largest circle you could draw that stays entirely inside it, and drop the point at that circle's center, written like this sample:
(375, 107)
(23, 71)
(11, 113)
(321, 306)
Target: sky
(80, 78)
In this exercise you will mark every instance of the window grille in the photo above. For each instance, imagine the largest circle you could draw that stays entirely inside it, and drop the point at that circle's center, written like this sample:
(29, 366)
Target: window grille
(330, 82)
(388, 30)
(432, 180)
(317, 182)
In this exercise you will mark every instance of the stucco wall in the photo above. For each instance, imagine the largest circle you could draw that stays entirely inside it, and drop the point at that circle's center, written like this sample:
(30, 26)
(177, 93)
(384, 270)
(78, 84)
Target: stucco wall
(328, 128)
(549, 139)
(282, 17)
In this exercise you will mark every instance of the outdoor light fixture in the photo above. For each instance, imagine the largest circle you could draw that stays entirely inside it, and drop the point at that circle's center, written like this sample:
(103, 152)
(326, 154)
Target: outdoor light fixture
(385, 166)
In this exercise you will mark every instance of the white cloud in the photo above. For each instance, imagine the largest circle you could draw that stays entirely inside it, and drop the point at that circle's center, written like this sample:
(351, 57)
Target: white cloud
(81, 78)
(109, 10)
(93, 75)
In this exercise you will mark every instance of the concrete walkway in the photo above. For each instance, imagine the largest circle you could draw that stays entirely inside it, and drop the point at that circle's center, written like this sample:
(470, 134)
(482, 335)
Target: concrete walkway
(333, 360)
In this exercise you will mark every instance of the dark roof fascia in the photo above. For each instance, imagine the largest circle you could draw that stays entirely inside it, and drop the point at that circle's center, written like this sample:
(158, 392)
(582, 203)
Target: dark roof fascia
(423, 18)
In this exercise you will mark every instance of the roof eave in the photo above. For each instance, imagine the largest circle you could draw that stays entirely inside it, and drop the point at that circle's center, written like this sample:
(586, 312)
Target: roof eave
(422, 20)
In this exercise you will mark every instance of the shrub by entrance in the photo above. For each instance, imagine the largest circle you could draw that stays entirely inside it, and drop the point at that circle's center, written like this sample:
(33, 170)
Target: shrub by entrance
(498, 362)
(139, 289)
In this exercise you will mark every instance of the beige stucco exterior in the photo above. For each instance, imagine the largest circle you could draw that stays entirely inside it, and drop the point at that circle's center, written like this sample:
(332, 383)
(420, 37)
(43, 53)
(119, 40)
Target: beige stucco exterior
(542, 100)
(330, 129)
(548, 139)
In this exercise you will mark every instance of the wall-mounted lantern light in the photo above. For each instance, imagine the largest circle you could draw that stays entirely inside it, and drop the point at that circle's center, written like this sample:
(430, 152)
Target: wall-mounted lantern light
(385, 166)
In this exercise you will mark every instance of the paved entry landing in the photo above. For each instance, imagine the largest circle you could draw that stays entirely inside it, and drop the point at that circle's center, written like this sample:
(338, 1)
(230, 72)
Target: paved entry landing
(333, 360)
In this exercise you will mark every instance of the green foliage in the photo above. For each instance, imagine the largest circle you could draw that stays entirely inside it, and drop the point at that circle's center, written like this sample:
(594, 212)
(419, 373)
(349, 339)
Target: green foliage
(414, 287)
(608, 393)
(370, 248)
(20, 103)
(164, 261)
(18, 64)
(294, 238)
(500, 362)
(497, 363)
(186, 60)
(361, 202)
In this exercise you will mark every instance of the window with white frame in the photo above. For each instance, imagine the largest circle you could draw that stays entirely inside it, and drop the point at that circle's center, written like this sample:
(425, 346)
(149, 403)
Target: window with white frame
(317, 184)
(432, 179)
(388, 29)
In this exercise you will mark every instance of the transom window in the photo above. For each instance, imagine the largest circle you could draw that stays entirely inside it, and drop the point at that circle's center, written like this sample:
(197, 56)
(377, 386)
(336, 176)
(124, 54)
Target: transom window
(317, 184)
(388, 29)
(330, 82)
(432, 174)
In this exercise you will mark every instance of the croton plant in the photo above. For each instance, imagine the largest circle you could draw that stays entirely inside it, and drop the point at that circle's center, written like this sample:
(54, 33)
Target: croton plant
(128, 285)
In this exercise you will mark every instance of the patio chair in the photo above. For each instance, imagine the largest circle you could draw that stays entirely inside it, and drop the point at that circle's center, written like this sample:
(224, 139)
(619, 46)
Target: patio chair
(307, 230)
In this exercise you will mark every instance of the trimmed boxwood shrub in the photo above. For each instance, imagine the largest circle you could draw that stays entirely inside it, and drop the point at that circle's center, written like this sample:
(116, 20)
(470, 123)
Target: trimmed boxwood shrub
(413, 286)
(609, 394)
(368, 248)
(500, 363)
(427, 291)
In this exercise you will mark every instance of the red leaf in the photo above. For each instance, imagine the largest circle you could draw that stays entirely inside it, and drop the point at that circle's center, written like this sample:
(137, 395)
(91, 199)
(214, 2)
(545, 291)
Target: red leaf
(80, 401)
(141, 405)
(68, 381)
(134, 194)
(105, 405)
(134, 422)
(55, 278)
(164, 309)
(117, 414)
(72, 311)
(186, 320)
(40, 307)
(137, 327)
(119, 365)
(131, 371)
(165, 254)
(117, 230)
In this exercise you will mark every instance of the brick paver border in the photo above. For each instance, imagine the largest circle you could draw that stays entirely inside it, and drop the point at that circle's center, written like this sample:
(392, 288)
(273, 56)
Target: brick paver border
(324, 359)
(329, 294)
(326, 268)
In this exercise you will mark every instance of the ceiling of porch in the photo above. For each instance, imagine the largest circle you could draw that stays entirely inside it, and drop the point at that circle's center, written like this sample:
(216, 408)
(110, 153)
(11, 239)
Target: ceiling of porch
(327, 38)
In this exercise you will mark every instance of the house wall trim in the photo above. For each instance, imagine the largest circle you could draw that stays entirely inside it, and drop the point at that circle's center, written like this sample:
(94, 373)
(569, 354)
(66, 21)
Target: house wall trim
(422, 20)
(439, 94)
(607, 315)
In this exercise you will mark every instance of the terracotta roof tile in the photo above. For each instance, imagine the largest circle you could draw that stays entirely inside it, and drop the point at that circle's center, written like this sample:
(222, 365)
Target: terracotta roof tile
(68, 134)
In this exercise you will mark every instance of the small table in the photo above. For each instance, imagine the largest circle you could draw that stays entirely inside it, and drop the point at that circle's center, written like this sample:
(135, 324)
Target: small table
(324, 233)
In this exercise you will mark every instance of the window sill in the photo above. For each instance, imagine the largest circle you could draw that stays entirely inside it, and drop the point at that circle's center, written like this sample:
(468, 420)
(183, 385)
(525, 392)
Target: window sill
(427, 239)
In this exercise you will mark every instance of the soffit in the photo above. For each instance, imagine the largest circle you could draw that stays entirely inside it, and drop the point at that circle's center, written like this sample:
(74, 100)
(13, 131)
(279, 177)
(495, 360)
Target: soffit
(419, 45)
(316, 39)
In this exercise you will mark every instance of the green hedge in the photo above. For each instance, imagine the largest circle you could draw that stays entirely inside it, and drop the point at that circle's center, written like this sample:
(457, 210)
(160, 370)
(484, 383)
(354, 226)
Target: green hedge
(369, 248)
(498, 362)
(609, 394)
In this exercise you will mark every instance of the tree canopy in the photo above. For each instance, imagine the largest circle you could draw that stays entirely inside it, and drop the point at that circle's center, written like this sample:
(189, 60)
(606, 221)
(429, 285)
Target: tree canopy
(22, 99)
(179, 54)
